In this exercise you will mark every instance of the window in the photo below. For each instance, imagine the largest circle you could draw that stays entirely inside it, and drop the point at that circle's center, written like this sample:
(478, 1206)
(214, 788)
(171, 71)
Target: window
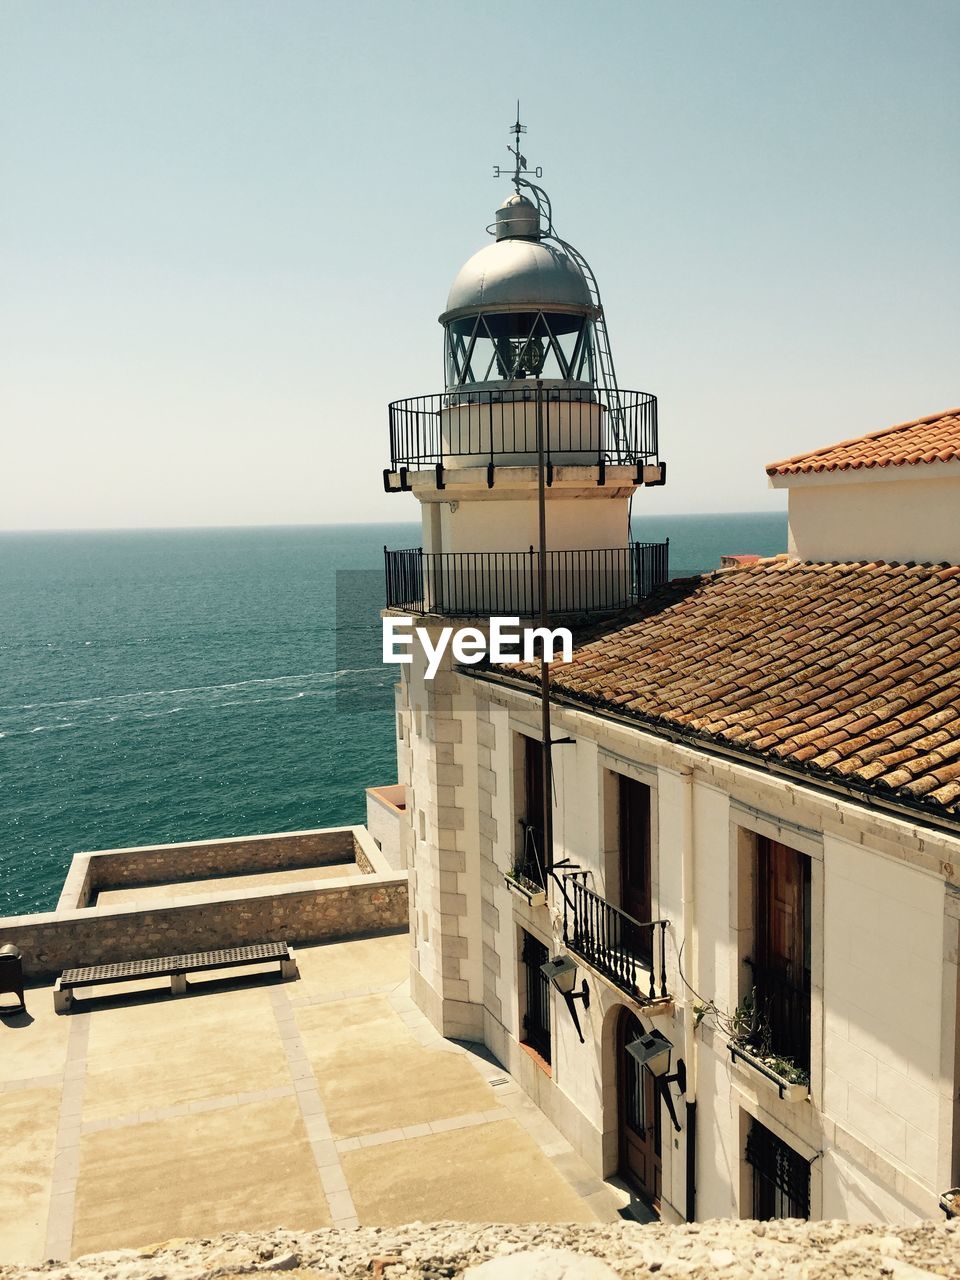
(533, 865)
(635, 869)
(781, 1177)
(536, 1019)
(781, 963)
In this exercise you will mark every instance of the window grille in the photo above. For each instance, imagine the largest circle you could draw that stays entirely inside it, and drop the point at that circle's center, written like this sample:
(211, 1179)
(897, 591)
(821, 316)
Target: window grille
(536, 1020)
(781, 1177)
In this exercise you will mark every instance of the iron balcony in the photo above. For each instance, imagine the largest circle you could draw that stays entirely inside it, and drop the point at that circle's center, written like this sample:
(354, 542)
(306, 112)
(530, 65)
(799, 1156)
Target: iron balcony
(629, 953)
(484, 427)
(471, 584)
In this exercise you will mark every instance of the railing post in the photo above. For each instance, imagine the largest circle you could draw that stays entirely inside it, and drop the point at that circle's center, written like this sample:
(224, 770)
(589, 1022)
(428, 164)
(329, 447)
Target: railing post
(489, 395)
(663, 958)
(439, 438)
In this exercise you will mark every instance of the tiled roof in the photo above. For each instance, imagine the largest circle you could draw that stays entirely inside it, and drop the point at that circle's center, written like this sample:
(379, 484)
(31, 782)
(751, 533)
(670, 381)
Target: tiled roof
(933, 439)
(850, 671)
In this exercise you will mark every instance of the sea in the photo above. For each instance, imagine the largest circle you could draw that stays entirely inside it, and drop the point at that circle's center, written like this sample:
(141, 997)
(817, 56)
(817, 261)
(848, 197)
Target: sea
(163, 685)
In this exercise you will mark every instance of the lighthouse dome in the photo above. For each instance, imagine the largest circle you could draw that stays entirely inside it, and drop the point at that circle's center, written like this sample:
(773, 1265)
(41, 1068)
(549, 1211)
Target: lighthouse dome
(516, 274)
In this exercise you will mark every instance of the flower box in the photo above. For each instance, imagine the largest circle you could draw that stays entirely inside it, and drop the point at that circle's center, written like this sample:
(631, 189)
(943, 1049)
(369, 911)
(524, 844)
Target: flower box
(533, 894)
(789, 1090)
(950, 1202)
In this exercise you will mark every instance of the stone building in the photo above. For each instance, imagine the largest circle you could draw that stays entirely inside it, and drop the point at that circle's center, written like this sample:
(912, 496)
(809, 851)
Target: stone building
(753, 876)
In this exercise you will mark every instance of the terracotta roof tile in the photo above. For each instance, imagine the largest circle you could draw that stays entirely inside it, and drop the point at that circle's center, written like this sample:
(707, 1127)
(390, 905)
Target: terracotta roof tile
(849, 670)
(909, 444)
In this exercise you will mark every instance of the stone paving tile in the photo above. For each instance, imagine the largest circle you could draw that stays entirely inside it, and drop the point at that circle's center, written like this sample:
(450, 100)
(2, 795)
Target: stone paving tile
(490, 1172)
(339, 1202)
(318, 1128)
(333, 1179)
(35, 1044)
(30, 1130)
(378, 1139)
(202, 1041)
(415, 1130)
(325, 1154)
(230, 1169)
(66, 1163)
(31, 1082)
(450, 1123)
(341, 1206)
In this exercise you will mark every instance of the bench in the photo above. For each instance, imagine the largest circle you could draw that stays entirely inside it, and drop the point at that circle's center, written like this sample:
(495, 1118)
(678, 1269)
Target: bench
(174, 967)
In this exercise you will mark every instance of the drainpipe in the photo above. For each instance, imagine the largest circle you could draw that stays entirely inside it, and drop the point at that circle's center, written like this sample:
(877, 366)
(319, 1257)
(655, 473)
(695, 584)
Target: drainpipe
(691, 963)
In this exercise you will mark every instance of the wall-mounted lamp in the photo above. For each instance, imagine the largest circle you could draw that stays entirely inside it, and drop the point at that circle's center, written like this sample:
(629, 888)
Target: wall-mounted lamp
(652, 1050)
(562, 972)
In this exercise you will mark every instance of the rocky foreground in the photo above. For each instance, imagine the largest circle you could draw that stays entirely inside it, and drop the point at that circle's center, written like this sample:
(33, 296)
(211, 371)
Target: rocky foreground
(718, 1250)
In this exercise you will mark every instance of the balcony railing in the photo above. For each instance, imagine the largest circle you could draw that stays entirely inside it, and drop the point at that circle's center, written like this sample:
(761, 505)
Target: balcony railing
(476, 428)
(782, 1013)
(630, 953)
(470, 584)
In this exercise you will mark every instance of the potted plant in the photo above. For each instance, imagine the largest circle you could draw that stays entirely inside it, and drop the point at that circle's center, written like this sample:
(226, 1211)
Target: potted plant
(749, 1042)
(525, 877)
(950, 1202)
(791, 1082)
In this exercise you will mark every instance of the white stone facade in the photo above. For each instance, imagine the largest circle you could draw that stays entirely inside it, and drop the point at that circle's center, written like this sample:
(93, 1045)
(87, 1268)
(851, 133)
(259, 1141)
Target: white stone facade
(903, 513)
(879, 1127)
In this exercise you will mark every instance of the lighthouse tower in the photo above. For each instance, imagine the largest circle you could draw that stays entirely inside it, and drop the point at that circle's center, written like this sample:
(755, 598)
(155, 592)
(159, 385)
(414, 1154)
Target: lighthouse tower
(524, 466)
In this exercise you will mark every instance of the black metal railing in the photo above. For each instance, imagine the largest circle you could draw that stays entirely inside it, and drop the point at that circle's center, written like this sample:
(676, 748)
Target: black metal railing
(631, 953)
(469, 584)
(404, 574)
(536, 1018)
(586, 426)
(781, 1176)
(782, 1014)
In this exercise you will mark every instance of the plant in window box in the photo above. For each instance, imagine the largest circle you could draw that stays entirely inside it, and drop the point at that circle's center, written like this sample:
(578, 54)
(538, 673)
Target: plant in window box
(749, 1041)
(950, 1202)
(525, 877)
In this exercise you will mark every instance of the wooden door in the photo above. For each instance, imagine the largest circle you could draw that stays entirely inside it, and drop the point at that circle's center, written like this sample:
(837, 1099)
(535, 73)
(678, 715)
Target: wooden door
(636, 894)
(782, 967)
(639, 1119)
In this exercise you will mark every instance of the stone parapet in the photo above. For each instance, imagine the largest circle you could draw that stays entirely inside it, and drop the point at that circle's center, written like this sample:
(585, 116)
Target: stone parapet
(206, 859)
(313, 912)
(370, 900)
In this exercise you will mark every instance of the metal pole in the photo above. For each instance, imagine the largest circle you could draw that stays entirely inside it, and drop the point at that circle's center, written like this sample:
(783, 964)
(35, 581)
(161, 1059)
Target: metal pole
(544, 665)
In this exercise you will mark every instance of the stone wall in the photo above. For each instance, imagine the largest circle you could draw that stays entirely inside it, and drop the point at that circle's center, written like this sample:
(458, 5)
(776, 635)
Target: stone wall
(204, 859)
(719, 1250)
(313, 912)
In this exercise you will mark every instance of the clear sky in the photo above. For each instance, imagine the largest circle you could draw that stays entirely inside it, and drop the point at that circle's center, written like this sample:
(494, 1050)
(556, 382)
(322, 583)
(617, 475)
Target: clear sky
(227, 228)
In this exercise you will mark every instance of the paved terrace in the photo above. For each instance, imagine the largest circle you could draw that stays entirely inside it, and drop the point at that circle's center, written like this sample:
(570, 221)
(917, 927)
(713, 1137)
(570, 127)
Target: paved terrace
(252, 1103)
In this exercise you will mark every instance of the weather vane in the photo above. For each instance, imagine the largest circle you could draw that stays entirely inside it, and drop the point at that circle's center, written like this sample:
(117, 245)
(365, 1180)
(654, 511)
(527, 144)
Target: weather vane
(520, 161)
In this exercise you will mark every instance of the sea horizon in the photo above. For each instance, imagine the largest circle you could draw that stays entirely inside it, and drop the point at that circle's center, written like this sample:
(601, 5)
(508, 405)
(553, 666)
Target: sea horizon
(178, 683)
(334, 524)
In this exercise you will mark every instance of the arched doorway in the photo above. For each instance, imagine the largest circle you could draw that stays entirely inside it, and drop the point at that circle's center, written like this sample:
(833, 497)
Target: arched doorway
(639, 1115)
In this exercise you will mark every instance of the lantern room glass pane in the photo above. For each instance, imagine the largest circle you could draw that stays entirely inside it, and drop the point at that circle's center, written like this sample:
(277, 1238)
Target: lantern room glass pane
(515, 345)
